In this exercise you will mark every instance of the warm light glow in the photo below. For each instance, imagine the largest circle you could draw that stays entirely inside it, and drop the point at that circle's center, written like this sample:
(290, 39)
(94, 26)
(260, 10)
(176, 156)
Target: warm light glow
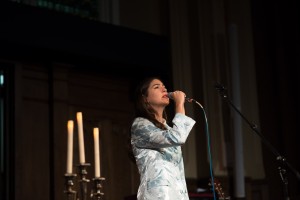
(97, 152)
(80, 138)
(70, 147)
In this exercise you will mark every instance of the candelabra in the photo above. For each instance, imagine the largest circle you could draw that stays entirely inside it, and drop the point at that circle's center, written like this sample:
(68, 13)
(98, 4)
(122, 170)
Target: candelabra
(96, 191)
(69, 183)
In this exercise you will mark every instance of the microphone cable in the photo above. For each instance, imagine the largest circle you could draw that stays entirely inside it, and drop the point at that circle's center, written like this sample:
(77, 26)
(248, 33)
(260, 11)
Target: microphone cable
(208, 146)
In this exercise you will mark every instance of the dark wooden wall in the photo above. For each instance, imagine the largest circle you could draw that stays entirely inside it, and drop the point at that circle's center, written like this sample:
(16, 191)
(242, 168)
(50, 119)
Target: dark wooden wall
(60, 65)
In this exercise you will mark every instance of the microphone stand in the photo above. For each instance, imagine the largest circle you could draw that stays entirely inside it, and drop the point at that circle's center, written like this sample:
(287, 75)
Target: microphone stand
(281, 160)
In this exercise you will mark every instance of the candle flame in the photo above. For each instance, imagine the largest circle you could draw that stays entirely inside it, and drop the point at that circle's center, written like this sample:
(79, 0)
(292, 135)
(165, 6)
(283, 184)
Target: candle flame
(79, 116)
(70, 124)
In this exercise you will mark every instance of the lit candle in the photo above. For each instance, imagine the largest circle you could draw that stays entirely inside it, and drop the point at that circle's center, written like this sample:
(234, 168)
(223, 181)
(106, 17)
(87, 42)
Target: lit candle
(70, 147)
(80, 138)
(97, 152)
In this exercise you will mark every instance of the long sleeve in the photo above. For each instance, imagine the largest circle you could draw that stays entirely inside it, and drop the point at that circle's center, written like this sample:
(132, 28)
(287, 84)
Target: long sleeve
(159, 158)
(146, 135)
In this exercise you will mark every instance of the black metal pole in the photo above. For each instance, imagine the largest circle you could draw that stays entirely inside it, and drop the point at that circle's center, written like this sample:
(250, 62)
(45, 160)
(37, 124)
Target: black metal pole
(281, 160)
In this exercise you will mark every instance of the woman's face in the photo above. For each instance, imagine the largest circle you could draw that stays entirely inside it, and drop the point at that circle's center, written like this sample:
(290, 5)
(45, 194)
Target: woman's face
(157, 94)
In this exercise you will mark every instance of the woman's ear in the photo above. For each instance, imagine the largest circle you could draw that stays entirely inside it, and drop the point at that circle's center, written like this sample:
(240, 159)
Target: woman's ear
(145, 99)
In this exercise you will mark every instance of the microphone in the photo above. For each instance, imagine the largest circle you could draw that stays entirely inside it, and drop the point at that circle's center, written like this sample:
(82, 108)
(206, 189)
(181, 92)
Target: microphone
(186, 98)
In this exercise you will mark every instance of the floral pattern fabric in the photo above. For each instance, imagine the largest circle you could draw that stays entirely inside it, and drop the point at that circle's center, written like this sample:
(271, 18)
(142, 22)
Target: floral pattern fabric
(159, 158)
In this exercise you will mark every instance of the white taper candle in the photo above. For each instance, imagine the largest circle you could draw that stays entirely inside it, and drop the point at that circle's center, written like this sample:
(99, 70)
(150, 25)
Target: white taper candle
(97, 152)
(80, 138)
(70, 147)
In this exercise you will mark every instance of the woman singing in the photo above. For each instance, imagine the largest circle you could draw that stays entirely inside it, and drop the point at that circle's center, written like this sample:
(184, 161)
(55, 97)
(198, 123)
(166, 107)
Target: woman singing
(156, 146)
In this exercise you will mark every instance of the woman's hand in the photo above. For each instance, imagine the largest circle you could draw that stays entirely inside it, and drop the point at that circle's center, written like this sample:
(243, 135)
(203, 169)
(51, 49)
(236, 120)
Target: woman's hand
(179, 99)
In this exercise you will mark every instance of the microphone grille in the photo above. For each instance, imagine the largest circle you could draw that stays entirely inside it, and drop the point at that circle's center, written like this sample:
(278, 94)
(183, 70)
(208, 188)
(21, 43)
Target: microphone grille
(170, 95)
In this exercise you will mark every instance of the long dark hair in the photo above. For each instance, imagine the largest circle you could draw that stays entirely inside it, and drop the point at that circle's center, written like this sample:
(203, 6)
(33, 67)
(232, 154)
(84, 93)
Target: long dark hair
(142, 108)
